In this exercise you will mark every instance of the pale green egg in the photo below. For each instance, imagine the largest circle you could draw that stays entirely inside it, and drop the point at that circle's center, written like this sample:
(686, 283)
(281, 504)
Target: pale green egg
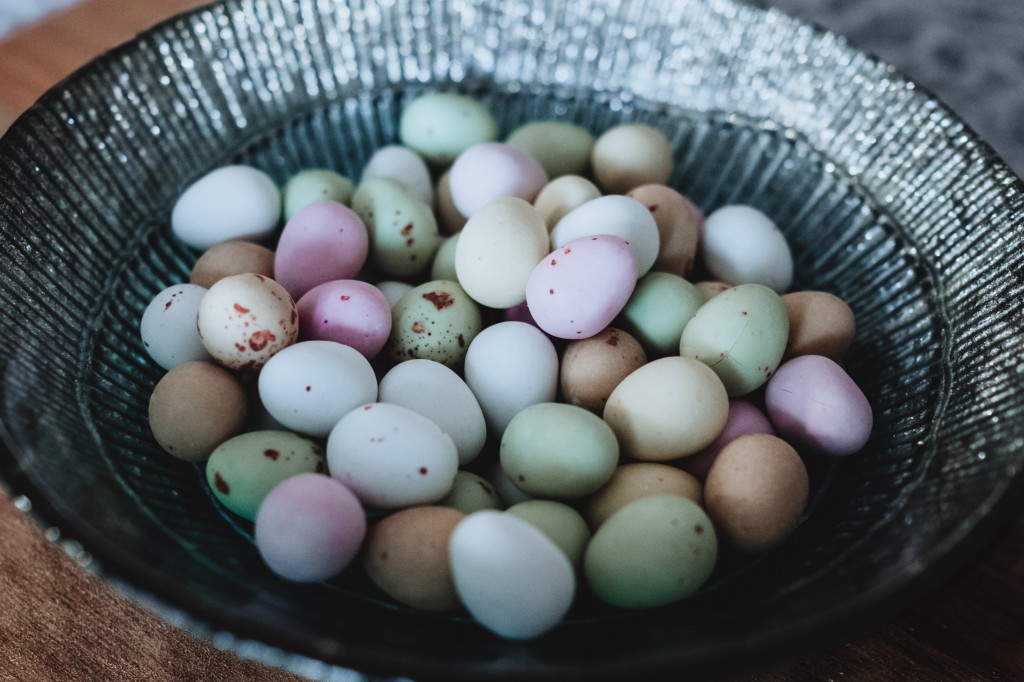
(471, 493)
(436, 320)
(443, 266)
(562, 148)
(243, 469)
(402, 229)
(652, 552)
(560, 522)
(658, 310)
(313, 185)
(559, 451)
(740, 334)
(442, 125)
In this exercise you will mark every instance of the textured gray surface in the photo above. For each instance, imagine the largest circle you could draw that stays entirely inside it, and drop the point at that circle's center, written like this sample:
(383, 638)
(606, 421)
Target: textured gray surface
(969, 53)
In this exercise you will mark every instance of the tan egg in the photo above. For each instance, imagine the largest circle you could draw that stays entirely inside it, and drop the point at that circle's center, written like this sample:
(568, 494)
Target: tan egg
(756, 491)
(448, 217)
(231, 258)
(819, 324)
(194, 408)
(630, 482)
(562, 195)
(592, 368)
(711, 288)
(406, 555)
(630, 155)
(678, 223)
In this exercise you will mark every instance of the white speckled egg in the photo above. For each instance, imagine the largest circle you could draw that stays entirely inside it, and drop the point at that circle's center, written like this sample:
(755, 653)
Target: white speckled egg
(168, 326)
(742, 245)
(310, 385)
(245, 319)
(231, 202)
(615, 215)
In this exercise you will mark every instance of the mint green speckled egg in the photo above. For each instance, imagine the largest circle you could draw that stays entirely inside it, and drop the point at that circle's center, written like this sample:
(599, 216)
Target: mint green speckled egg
(403, 231)
(658, 310)
(442, 125)
(313, 185)
(436, 320)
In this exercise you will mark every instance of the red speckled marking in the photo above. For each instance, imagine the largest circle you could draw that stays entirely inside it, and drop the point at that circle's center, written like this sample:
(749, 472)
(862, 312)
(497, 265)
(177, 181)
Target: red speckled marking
(271, 454)
(406, 230)
(295, 315)
(221, 484)
(259, 340)
(417, 327)
(320, 468)
(308, 389)
(554, 262)
(240, 347)
(168, 305)
(652, 208)
(240, 309)
(551, 291)
(423, 471)
(612, 341)
(440, 299)
(521, 478)
(345, 298)
(462, 341)
(567, 251)
(698, 529)
(410, 241)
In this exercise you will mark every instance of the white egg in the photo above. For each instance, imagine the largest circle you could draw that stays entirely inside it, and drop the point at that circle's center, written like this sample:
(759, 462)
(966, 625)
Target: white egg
(168, 326)
(311, 385)
(394, 290)
(510, 366)
(616, 215)
(392, 457)
(509, 575)
(402, 164)
(741, 245)
(440, 395)
(230, 202)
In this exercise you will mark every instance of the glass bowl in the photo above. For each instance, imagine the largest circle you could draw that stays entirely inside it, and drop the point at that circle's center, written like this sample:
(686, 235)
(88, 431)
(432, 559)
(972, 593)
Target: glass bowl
(886, 197)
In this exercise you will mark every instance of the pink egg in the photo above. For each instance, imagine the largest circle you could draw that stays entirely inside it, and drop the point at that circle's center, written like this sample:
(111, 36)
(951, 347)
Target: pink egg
(744, 418)
(579, 288)
(347, 311)
(815, 404)
(491, 170)
(322, 242)
(309, 528)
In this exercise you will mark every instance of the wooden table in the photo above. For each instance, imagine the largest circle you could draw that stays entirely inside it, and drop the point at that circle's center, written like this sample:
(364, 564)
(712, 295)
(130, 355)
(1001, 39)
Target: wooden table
(57, 622)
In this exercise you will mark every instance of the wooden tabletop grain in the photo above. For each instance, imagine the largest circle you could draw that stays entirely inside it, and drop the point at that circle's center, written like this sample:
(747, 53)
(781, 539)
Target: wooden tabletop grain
(58, 622)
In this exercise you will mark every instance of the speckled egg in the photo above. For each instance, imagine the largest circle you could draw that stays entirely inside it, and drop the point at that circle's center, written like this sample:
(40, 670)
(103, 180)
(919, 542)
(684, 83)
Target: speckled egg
(435, 321)
(562, 195)
(322, 242)
(403, 231)
(471, 492)
(635, 480)
(629, 155)
(492, 170)
(659, 308)
(820, 323)
(168, 326)
(231, 258)
(742, 245)
(230, 202)
(243, 469)
(560, 522)
(402, 164)
(561, 148)
(679, 227)
(312, 185)
(346, 311)
(244, 319)
(615, 215)
(592, 368)
(442, 125)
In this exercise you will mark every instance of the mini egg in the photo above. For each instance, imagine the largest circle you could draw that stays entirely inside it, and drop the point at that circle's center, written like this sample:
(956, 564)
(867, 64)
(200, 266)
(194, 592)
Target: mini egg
(434, 321)
(742, 245)
(393, 290)
(629, 155)
(403, 231)
(443, 266)
(311, 385)
(231, 258)
(654, 551)
(194, 408)
(392, 457)
(510, 366)
(448, 217)
(406, 555)
(679, 227)
(559, 451)
(820, 323)
(245, 468)
(669, 408)
(580, 287)
(498, 249)
(744, 418)
(630, 482)
(658, 310)
(756, 491)
(560, 522)
(562, 195)
(561, 148)
(230, 202)
(710, 288)
(309, 528)
(312, 185)
(245, 319)
(592, 368)
(509, 575)
(442, 125)
(168, 326)
(346, 311)
(402, 164)
(471, 492)
(614, 215)
(492, 170)
(503, 485)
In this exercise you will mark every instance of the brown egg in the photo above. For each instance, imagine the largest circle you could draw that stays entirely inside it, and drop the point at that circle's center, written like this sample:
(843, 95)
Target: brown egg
(194, 408)
(819, 324)
(710, 288)
(231, 258)
(633, 481)
(678, 227)
(448, 217)
(406, 555)
(756, 491)
(629, 155)
(592, 368)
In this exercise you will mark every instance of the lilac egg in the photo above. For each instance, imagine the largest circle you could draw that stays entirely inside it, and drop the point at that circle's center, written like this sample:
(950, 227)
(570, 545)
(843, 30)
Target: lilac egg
(309, 528)
(815, 404)
(744, 418)
(347, 311)
(322, 242)
(579, 288)
(491, 170)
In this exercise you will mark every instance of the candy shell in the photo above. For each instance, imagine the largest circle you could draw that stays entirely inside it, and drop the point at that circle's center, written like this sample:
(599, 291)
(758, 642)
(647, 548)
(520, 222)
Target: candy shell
(312, 185)
(442, 125)
(168, 326)
(322, 242)
(629, 155)
(615, 215)
(492, 170)
(231, 258)
(346, 311)
(742, 245)
(230, 202)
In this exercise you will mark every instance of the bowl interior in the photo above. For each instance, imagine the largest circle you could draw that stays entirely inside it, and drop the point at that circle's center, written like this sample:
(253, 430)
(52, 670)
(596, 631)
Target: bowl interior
(886, 201)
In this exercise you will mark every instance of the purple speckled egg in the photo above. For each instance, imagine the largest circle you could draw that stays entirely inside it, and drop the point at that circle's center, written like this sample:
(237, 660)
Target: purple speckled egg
(347, 311)
(744, 418)
(322, 242)
(814, 404)
(491, 170)
(309, 528)
(579, 288)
